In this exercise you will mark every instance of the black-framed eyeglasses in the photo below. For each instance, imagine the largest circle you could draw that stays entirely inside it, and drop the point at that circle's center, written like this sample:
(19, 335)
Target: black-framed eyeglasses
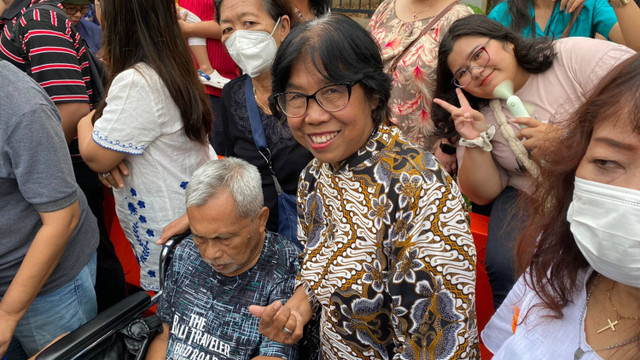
(332, 97)
(72, 10)
(479, 60)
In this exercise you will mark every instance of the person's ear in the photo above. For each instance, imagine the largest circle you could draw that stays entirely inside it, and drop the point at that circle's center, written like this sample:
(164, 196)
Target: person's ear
(285, 27)
(374, 101)
(262, 218)
(508, 45)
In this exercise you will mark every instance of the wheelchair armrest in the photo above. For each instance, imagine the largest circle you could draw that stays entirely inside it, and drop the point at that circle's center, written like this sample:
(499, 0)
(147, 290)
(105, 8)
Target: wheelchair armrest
(99, 328)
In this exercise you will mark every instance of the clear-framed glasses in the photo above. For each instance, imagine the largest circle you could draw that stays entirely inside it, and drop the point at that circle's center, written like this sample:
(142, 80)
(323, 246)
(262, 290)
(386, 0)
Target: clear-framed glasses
(479, 60)
(332, 97)
(72, 10)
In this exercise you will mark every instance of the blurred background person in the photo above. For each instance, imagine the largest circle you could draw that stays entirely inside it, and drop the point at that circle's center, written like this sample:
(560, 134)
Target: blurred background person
(306, 10)
(154, 122)
(219, 59)
(615, 20)
(582, 280)
(89, 31)
(408, 34)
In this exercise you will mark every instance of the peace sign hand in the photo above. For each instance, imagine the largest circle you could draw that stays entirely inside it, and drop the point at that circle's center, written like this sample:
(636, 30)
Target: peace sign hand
(469, 122)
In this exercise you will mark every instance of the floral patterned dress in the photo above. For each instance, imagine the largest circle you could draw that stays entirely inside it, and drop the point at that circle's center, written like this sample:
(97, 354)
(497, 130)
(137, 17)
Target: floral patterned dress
(414, 79)
(389, 262)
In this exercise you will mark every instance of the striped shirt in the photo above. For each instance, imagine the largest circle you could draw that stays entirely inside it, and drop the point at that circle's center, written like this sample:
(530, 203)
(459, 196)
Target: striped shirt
(44, 44)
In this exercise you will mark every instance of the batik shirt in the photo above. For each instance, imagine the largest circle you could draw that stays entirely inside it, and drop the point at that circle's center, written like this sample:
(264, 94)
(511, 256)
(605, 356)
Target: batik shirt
(208, 313)
(414, 79)
(389, 260)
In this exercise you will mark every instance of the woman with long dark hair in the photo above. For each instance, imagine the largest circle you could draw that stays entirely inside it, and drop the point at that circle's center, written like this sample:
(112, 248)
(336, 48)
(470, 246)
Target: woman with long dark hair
(495, 155)
(582, 278)
(155, 119)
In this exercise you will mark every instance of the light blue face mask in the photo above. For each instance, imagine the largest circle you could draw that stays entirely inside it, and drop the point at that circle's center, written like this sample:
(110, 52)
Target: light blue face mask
(253, 51)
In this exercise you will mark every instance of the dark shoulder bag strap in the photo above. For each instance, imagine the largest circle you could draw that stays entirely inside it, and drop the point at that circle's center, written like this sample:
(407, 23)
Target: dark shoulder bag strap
(432, 23)
(258, 131)
(254, 117)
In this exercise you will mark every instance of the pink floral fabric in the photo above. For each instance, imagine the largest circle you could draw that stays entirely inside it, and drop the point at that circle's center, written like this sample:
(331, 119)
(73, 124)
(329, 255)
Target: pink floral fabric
(414, 79)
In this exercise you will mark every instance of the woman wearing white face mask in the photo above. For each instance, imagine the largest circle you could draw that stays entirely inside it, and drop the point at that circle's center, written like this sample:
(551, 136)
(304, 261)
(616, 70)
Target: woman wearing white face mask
(582, 280)
(252, 31)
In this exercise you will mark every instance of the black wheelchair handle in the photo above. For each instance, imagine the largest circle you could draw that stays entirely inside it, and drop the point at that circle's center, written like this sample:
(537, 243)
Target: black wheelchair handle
(166, 254)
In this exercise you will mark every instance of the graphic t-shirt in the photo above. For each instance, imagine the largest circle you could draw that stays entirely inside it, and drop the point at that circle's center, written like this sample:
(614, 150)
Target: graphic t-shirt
(208, 313)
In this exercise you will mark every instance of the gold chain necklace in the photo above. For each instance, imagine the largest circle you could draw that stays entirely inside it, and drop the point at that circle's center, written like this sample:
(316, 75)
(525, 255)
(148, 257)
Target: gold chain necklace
(415, 14)
(614, 307)
(619, 318)
(579, 353)
(264, 108)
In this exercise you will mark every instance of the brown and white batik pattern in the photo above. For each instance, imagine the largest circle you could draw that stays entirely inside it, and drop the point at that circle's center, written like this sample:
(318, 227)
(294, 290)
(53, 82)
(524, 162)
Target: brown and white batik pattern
(388, 258)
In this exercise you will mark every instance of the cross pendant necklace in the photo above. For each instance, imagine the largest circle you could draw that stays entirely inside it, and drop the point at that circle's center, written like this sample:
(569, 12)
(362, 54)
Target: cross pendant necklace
(579, 353)
(610, 326)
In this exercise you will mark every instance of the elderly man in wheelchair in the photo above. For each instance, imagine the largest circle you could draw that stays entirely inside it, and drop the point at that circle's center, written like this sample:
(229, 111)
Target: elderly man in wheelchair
(230, 262)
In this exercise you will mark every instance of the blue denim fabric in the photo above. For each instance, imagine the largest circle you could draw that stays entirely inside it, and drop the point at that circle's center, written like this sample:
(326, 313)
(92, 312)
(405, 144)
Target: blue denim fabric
(56, 313)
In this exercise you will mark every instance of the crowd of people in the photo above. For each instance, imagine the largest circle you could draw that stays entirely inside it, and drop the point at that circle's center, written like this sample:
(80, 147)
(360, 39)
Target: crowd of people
(325, 172)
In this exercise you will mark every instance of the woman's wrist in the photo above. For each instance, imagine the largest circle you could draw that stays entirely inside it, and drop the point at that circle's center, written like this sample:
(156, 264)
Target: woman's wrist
(300, 302)
(483, 140)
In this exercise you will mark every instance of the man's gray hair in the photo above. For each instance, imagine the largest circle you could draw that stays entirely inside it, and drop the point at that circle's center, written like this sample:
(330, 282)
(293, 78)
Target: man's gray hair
(237, 176)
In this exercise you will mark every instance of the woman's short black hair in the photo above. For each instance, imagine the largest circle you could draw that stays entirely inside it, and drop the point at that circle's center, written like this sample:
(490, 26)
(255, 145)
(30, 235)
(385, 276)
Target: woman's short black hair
(533, 55)
(342, 51)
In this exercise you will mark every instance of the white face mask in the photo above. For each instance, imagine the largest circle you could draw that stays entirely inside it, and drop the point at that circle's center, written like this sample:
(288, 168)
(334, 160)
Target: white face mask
(253, 51)
(605, 221)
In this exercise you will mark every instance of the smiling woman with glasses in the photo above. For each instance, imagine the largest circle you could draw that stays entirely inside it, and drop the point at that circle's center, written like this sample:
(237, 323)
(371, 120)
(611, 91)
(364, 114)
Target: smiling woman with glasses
(477, 61)
(375, 212)
(497, 153)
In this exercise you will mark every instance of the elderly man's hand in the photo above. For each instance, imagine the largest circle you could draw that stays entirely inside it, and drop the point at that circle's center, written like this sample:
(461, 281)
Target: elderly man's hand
(278, 322)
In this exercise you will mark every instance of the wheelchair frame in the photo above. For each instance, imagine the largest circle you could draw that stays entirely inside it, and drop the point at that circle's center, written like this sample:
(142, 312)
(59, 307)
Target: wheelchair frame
(91, 338)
